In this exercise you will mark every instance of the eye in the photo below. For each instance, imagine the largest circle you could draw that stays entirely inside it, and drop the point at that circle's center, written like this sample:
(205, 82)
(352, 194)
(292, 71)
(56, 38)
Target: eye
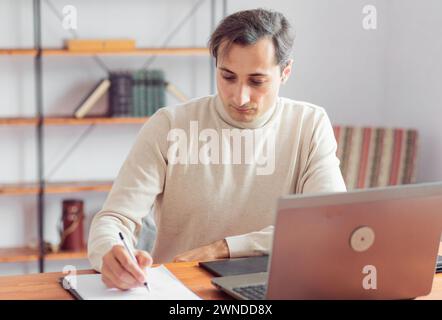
(229, 78)
(256, 83)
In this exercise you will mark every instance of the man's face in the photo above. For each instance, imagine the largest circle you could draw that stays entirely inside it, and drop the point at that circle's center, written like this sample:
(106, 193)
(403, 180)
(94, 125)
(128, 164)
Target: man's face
(248, 79)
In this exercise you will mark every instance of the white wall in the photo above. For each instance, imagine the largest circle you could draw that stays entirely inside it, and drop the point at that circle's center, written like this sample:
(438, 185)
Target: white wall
(414, 82)
(386, 77)
(338, 64)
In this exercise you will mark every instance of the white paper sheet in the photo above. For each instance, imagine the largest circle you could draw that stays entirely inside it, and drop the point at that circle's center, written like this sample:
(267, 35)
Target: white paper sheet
(163, 286)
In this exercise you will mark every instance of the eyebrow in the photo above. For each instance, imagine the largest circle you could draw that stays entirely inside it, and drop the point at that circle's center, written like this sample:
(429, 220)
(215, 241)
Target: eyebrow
(256, 74)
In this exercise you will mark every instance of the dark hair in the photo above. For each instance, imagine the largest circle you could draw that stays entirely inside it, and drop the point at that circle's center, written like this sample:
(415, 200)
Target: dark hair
(248, 26)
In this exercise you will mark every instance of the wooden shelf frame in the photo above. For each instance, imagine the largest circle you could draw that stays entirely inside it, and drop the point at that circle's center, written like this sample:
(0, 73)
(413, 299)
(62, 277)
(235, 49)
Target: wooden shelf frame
(70, 121)
(18, 121)
(175, 51)
(18, 52)
(26, 254)
(55, 188)
(65, 121)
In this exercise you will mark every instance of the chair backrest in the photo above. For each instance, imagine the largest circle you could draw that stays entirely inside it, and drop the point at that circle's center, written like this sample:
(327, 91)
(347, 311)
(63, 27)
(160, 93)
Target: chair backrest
(375, 157)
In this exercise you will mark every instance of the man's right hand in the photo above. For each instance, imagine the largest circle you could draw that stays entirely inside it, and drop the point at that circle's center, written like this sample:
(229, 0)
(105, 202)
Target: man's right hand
(120, 271)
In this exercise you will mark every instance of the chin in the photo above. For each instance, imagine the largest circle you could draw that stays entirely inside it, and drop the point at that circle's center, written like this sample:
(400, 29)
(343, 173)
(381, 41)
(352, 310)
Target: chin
(242, 117)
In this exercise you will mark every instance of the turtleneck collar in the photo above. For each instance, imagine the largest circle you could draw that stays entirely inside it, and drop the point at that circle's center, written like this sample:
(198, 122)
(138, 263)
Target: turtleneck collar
(257, 123)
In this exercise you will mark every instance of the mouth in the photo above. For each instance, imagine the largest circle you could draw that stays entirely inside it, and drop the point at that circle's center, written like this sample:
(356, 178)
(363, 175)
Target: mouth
(243, 110)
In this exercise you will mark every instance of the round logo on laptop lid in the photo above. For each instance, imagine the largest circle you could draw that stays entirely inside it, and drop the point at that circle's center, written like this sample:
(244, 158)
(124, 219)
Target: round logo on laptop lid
(362, 239)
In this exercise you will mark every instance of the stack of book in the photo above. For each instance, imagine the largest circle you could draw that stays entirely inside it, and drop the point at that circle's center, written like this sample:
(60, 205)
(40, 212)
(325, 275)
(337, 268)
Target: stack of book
(136, 94)
(131, 94)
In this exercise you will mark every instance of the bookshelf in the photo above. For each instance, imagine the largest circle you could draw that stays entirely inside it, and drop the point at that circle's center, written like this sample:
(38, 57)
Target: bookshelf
(18, 121)
(18, 189)
(18, 52)
(19, 254)
(69, 121)
(40, 188)
(55, 187)
(178, 51)
(26, 254)
(91, 121)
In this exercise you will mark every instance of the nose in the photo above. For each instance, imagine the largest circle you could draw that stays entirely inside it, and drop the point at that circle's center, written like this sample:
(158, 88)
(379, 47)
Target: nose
(241, 95)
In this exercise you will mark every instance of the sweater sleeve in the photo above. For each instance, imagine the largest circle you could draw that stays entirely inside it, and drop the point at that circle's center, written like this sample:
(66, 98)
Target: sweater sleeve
(321, 174)
(251, 244)
(139, 181)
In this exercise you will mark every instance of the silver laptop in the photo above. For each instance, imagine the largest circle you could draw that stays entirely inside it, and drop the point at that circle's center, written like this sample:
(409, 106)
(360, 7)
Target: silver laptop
(377, 243)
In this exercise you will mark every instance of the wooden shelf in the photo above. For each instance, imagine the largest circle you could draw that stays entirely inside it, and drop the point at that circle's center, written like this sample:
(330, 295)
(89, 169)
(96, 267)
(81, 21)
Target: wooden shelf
(69, 121)
(178, 51)
(93, 120)
(18, 189)
(137, 52)
(18, 121)
(18, 52)
(18, 255)
(70, 187)
(66, 255)
(55, 188)
(25, 254)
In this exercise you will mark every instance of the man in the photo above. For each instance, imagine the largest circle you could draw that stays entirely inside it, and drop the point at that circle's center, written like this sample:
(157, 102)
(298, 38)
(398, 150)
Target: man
(213, 199)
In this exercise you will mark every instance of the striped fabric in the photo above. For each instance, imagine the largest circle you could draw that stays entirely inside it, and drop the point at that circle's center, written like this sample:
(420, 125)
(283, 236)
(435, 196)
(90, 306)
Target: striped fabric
(375, 157)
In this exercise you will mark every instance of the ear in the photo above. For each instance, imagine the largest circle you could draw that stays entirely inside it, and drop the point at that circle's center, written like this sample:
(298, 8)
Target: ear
(286, 72)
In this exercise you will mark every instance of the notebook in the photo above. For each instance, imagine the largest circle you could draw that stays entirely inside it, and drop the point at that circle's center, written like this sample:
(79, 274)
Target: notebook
(163, 286)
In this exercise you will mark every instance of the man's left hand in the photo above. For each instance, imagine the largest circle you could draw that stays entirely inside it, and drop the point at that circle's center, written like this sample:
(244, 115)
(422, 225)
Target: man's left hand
(213, 251)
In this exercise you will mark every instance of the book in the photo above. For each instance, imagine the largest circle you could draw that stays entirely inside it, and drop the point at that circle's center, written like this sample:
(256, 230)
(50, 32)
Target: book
(156, 80)
(150, 93)
(143, 100)
(136, 94)
(91, 99)
(100, 44)
(174, 91)
(164, 286)
(84, 45)
(118, 44)
(121, 94)
(162, 89)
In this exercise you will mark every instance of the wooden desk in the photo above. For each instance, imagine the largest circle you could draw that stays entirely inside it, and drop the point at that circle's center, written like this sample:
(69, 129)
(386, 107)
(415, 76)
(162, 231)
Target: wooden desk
(46, 286)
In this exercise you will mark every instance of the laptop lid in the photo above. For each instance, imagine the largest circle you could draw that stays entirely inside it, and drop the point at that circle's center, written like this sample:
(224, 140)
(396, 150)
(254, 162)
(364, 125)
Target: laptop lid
(369, 244)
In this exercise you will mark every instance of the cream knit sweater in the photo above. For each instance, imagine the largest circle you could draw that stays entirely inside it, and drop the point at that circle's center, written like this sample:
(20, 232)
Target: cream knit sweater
(221, 194)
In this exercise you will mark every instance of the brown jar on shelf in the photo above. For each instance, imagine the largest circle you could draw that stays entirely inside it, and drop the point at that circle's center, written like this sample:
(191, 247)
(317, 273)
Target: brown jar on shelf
(72, 230)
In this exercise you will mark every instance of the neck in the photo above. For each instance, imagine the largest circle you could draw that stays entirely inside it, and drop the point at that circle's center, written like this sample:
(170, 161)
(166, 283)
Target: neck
(256, 123)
